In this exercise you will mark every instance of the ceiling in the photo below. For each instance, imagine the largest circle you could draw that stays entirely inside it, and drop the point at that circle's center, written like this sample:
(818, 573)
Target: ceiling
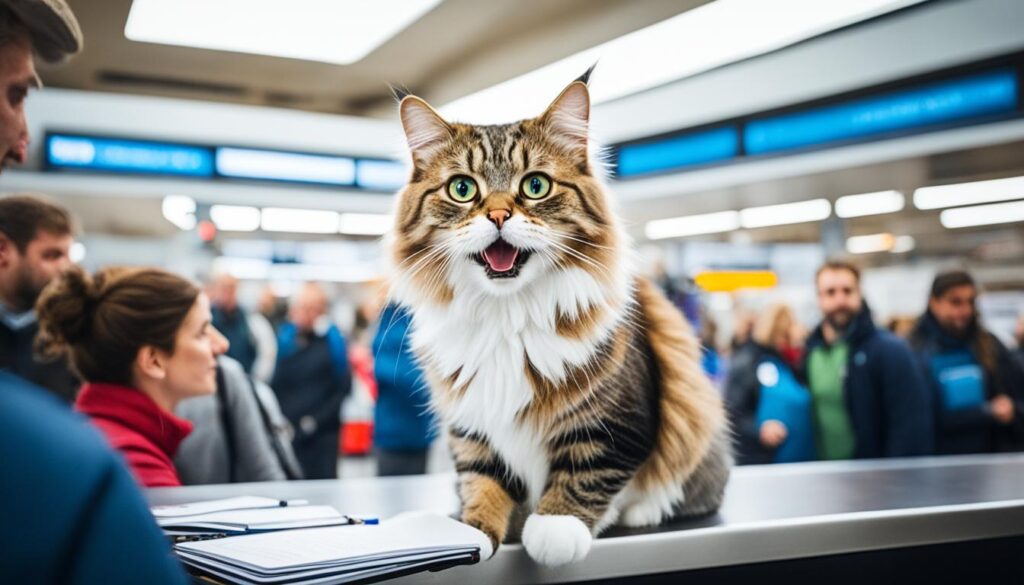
(988, 244)
(459, 47)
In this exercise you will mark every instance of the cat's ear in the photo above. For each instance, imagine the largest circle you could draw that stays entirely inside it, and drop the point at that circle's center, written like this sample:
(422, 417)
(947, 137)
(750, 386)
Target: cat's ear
(568, 117)
(425, 130)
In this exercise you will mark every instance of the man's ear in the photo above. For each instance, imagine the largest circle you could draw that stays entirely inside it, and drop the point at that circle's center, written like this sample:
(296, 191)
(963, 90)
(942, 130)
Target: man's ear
(151, 362)
(8, 251)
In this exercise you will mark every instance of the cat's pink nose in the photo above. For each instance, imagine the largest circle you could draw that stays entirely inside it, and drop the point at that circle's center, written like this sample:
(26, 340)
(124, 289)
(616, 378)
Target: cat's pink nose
(498, 216)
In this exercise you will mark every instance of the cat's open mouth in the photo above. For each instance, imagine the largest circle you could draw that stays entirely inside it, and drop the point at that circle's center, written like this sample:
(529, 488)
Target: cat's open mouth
(502, 260)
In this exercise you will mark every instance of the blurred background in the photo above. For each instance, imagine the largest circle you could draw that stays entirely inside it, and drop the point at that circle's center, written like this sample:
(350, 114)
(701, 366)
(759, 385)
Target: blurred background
(260, 139)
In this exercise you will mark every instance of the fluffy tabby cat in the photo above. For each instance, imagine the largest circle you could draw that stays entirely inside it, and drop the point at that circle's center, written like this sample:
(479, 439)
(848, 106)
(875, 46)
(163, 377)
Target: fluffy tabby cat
(570, 389)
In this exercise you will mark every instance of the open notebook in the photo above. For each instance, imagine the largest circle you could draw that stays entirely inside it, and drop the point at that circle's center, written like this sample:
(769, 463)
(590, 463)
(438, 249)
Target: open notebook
(245, 515)
(402, 545)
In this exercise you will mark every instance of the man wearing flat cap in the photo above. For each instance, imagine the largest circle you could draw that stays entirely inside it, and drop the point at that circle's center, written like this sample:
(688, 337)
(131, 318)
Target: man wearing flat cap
(46, 28)
(73, 513)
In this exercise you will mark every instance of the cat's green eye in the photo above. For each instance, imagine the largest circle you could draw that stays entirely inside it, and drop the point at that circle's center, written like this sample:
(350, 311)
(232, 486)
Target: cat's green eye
(536, 186)
(462, 189)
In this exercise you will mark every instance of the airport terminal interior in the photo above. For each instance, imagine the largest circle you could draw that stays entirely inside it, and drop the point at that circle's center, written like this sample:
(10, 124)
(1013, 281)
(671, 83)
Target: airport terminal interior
(742, 298)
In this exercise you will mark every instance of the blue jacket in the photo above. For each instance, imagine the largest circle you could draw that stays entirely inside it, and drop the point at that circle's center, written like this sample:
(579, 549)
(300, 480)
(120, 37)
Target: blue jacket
(760, 387)
(961, 389)
(71, 511)
(888, 402)
(402, 419)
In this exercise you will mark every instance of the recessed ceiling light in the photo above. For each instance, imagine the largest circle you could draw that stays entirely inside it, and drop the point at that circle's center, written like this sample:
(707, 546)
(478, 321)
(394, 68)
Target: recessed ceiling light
(693, 225)
(870, 204)
(329, 31)
(786, 213)
(300, 221)
(709, 36)
(235, 218)
(870, 244)
(978, 215)
(969, 193)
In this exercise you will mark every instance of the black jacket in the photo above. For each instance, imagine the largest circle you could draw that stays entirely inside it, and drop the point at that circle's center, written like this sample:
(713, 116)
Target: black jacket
(16, 357)
(888, 402)
(972, 429)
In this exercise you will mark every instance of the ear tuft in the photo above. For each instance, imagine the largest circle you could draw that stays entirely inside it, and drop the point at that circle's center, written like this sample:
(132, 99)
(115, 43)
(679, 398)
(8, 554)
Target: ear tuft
(399, 93)
(585, 78)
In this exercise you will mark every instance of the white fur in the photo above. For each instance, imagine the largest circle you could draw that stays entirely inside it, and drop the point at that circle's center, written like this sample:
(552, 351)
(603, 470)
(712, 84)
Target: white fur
(650, 507)
(556, 540)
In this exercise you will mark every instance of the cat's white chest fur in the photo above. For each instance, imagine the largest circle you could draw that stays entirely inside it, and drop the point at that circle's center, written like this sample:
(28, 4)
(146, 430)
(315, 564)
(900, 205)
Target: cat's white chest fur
(491, 362)
(484, 342)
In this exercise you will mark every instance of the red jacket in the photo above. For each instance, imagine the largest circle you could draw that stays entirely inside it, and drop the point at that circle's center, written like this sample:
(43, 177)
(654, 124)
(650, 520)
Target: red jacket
(145, 434)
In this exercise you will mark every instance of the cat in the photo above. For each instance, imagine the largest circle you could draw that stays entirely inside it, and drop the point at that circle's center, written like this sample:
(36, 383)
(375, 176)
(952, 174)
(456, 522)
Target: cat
(570, 389)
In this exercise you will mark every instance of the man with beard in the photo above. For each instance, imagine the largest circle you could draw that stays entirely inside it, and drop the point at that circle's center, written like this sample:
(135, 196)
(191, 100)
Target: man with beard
(977, 387)
(869, 398)
(35, 243)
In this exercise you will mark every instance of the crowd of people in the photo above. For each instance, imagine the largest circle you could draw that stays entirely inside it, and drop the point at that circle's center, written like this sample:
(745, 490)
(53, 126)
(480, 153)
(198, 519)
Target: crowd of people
(188, 385)
(195, 389)
(853, 390)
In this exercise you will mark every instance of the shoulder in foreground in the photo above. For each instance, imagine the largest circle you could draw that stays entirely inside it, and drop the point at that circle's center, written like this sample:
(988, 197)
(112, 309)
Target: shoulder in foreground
(54, 439)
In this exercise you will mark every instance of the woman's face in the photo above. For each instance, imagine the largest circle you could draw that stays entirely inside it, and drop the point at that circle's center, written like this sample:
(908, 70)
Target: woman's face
(192, 368)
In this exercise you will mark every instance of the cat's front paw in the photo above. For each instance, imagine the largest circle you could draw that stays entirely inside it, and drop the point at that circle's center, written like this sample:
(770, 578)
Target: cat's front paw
(556, 540)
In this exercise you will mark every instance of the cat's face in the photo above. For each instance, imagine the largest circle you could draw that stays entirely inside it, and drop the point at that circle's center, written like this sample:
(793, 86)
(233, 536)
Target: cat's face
(499, 207)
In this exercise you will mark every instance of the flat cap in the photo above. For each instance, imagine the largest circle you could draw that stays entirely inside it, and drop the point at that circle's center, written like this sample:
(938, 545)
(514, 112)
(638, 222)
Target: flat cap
(54, 30)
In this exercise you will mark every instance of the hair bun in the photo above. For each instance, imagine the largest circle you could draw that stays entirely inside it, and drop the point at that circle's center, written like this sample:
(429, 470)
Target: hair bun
(65, 311)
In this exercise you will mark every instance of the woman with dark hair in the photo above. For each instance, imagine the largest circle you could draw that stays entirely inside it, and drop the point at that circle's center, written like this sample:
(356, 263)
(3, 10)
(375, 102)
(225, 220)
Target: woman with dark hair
(977, 387)
(142, 341)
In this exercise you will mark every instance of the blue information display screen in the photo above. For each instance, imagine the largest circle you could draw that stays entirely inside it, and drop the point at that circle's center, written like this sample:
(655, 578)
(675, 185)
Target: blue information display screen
(680, 151)
(956, 100)
(381, 175)
(127, 156)
(273, 165)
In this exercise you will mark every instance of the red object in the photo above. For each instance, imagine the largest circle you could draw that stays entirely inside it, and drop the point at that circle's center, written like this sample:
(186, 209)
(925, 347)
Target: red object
(361, 360)
(207, 230)
(146, 435)
(793, 355)
(356, 438)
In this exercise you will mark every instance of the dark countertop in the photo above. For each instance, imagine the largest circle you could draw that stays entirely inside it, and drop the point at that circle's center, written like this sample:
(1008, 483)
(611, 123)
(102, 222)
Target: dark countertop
(770, 513)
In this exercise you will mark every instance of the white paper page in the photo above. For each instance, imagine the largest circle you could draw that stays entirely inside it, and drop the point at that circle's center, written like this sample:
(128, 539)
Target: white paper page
(239, 503)
(277, 550)
(256, 516)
